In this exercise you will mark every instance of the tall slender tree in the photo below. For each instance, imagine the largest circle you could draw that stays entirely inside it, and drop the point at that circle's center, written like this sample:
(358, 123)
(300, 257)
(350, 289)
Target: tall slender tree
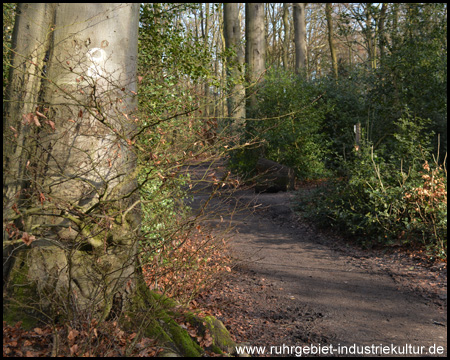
(328, 11)
(287, 35)
(370, 37)
(300, 37)
(232, 32)
(255, 48)
(381, 31)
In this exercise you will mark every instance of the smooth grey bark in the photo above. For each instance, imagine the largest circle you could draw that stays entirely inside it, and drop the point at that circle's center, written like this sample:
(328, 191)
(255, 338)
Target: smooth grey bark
(287, 35)
(255, 48)
(74, 202)
(235, 64)
(300, 37)
(30, 39)
(205, 30)
(328, 10)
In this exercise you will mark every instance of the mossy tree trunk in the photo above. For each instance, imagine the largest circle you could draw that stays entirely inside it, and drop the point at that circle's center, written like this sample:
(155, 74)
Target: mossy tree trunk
(70, 207)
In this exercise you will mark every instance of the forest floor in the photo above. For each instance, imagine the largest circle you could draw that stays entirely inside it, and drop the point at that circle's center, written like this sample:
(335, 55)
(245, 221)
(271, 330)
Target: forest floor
(293, 286)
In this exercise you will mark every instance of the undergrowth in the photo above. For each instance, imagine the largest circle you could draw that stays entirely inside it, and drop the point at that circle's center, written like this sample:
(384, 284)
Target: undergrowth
(192, 262)
(382, 204)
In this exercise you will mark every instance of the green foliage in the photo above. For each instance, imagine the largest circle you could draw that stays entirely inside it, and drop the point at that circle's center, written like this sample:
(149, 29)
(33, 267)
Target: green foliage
(346, 106)
(171, 60)
(413, 74)
(172, 63)
(162, 210)
(288, 123)
(164, 58)
(389, 198)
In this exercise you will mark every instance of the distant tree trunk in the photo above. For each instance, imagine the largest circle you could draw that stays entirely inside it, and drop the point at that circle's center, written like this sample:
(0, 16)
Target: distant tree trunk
(235, 64)
(273, 58)
(371, 45)
(255, 52)
(300, 37)
(286, 35)
(70, 209)
(209, 129)
(205, 29)
(381, 34)
(394, 27)
(328, 10)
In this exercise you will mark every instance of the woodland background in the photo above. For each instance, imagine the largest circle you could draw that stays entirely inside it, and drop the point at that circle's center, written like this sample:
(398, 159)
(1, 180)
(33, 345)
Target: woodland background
(352, 96)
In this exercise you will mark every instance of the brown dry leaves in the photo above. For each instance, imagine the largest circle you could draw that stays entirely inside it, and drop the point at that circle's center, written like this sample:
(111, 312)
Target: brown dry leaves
(189, 265)
(32, 118)
(89, 340)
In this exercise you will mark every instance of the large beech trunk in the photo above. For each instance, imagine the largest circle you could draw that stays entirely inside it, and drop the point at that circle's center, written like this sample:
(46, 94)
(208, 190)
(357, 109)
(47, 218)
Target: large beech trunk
(70, 209)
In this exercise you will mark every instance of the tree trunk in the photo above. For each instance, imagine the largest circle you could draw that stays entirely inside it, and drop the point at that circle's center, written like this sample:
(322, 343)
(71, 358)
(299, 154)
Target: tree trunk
(300, 37)
(328, 9)
(205, 31)
(381, 34)
(286, 35)
(71, 218)
(232, 33)
(255, 52)
(371, 45)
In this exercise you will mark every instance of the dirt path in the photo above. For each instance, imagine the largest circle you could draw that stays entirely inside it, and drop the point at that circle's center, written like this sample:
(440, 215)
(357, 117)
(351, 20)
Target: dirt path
(295, 286)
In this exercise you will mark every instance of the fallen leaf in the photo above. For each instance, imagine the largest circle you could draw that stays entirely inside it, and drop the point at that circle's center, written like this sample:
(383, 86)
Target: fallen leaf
(28, 239)
(74, 349)
(73, 334)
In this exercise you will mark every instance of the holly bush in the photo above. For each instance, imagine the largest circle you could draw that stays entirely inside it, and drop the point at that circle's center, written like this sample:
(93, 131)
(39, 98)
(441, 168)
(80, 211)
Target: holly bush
(389, 197)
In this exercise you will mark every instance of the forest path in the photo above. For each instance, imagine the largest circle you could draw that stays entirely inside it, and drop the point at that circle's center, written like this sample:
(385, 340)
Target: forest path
(299, 286)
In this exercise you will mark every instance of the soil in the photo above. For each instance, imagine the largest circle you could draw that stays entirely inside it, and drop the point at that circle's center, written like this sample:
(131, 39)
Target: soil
(295, 286)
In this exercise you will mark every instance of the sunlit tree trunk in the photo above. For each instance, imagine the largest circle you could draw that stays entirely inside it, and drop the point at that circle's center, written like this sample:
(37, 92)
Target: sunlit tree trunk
(70, 211)
(328, 9)
(232, 32)
(300, 37)
(205, 37)
(255, 49)
(286, 35)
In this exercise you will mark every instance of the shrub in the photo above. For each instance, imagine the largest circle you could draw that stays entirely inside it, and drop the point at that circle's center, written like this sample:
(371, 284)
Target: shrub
(387, 197)
(287, 123)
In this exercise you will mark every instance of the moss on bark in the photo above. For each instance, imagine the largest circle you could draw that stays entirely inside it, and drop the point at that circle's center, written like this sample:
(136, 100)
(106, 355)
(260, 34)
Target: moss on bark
(37, 294)
(18, 306)
(161, 312)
